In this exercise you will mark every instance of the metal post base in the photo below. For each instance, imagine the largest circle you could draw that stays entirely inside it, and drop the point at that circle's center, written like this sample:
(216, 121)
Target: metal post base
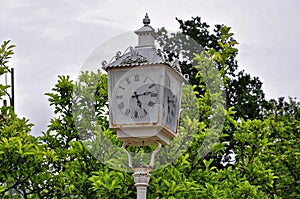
(142, 175)
(141, 179)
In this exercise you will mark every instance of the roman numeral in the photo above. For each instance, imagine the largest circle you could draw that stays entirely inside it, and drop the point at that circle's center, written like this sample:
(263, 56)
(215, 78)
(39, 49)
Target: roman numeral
(121, 105)
(119, 96)
(145, 79)
(151, 103)
(136, 114)
(127, 111)
(154, 94)
(121, 87)
(168, 120)
(145, 112)
(151, 86)
(136, 78)
(128, 80)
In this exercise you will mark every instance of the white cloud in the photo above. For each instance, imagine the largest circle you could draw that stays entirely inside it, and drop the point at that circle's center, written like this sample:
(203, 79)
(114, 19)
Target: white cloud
(56, 33)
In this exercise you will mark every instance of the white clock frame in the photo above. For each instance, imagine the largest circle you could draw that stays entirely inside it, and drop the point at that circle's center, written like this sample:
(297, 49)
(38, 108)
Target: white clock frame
(145, 130)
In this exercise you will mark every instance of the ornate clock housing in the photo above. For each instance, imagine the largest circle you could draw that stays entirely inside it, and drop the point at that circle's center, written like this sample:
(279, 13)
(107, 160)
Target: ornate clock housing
(144, 92)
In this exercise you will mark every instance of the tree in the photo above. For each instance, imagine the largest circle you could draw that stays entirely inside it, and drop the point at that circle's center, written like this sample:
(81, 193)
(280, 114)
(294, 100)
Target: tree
(284, 153)
(23, 159)
(77, 173)
(6, 51)
(243, 92)
(59, 164)
(252, 175)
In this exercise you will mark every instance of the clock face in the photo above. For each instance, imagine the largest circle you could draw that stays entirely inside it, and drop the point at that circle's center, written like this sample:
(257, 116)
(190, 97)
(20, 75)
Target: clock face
(170, 105)
(135, 95)
(170, 108)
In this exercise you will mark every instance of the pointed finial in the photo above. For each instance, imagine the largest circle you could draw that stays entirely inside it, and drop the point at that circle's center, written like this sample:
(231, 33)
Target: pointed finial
(146, 20)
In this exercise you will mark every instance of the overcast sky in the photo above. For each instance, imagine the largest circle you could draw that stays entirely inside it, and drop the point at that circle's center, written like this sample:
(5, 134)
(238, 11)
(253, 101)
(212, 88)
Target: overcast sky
(55, 38)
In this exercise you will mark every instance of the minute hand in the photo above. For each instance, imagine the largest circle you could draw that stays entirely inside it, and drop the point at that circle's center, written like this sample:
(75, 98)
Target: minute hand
(153, 94)
(145, 93)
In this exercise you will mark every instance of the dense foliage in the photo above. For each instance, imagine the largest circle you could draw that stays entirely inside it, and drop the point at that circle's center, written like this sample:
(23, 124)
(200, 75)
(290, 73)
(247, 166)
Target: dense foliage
(59, 165)
(243, 92)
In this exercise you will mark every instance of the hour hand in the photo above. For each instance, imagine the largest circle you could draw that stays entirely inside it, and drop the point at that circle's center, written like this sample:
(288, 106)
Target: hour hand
(139, 103)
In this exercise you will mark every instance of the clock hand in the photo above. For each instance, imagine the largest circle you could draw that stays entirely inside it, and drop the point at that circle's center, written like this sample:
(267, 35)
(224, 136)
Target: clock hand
(171, 102)
(139, 103)
(145, 93)
(149, 92)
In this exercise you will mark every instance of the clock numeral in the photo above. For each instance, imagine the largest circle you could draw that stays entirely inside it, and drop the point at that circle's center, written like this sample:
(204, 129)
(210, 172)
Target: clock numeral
(169, 120)
(172, 113)
(151, 103)
(136, 115)
(127, 111)
(154, 94)
(128, 80)
(121, 105)
(145, 112)
(136, 78)
(121, 87)
(119, 96)
(145, 79)
(151, 86)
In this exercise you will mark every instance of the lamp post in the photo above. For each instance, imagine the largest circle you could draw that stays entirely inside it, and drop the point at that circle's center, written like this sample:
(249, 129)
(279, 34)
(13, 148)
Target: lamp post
(144, 94)
(12, 95)
(141, 175)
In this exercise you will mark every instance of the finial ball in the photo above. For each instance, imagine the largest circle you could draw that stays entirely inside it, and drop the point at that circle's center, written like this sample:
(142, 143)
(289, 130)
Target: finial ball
(146, 20)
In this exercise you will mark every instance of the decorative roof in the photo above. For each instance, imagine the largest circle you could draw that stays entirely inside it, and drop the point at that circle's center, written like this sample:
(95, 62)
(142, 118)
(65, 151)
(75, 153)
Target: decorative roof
(140, 56)
(145, 54)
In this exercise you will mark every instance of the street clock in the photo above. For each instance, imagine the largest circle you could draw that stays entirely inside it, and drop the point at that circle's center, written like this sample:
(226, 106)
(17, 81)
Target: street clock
(144, 92)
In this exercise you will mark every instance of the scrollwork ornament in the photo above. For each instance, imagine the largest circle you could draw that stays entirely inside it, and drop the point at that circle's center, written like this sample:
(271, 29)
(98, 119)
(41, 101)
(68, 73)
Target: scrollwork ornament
(118, 55)
(134, 57)
(104, 63)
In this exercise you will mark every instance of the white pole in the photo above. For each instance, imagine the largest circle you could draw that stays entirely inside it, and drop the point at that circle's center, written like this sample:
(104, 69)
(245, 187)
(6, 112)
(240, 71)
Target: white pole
(141, 175)
(141, 179)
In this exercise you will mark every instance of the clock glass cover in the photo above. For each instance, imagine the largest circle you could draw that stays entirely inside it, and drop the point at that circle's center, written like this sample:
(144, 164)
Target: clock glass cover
(135, 96)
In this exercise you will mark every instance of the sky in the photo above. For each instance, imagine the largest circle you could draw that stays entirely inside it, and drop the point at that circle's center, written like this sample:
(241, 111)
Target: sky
(55, 38)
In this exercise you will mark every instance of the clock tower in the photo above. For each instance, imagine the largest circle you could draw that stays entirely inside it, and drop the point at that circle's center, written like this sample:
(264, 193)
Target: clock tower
(144, 92)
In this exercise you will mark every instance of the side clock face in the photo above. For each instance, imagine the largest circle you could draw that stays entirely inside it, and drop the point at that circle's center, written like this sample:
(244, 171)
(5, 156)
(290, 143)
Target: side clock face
(170, 108)
(135, 95)
(170, 105)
